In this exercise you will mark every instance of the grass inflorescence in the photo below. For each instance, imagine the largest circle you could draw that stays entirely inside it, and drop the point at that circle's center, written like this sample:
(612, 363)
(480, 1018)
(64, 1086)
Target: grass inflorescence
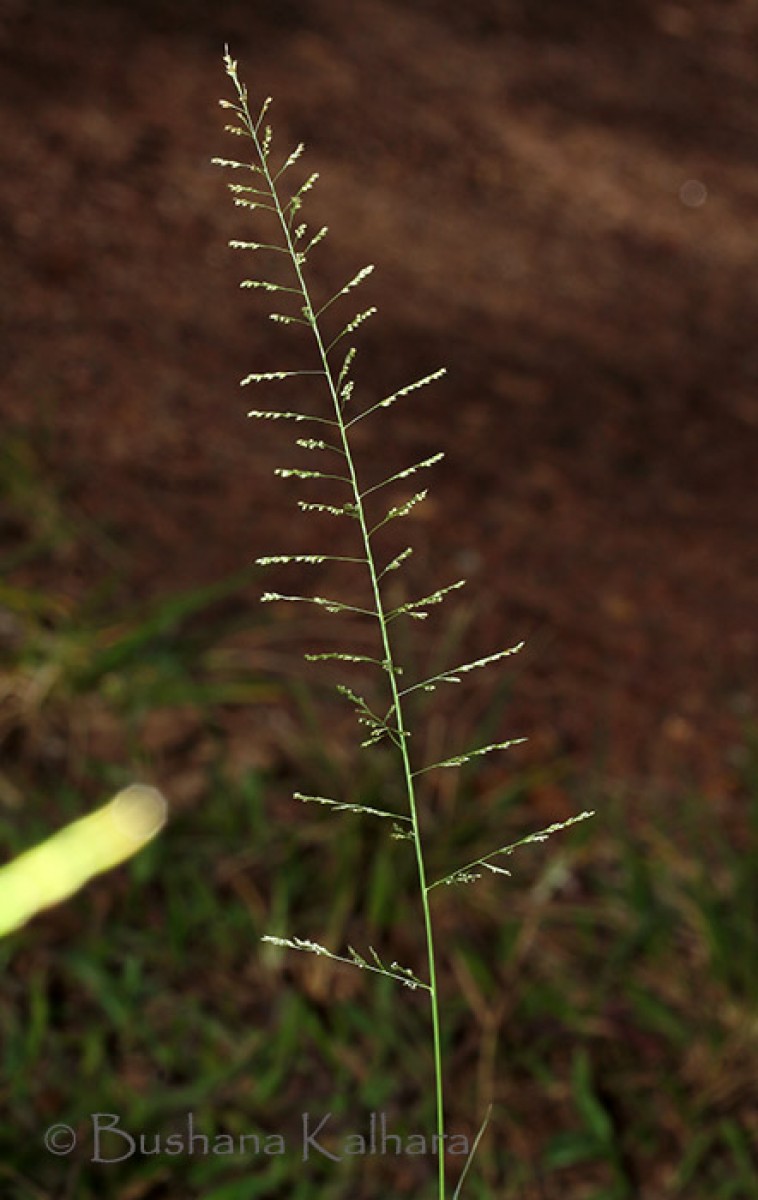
(329, 356)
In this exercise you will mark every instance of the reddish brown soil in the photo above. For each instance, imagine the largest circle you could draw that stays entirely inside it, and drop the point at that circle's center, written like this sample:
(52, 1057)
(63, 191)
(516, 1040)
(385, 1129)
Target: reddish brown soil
(519, 174)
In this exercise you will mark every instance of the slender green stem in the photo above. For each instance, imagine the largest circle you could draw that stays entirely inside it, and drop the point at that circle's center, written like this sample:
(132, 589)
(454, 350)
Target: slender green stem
(402, 733)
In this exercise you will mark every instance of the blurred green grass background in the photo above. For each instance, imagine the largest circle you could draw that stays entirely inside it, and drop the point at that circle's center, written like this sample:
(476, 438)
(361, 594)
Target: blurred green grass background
(605, 998)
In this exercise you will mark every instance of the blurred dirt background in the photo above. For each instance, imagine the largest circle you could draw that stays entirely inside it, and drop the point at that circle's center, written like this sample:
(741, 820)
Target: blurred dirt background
(562, 203)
